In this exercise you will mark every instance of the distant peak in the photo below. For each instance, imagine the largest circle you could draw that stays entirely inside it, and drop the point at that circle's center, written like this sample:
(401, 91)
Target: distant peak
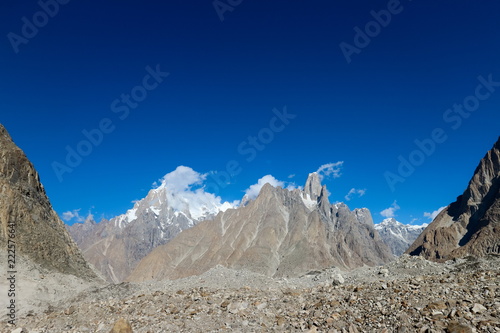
(90, 220)
(393, 222)
(267, 187)
(390, 220)
(313, 185)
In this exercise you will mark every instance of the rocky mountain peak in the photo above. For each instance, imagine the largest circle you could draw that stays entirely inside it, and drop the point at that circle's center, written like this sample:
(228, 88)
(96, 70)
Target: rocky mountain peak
(470, 225)
(364, 215)
(15, 167)
(39, 233)
(398, 236)
(313, 186)
(485, 182)
(267, 189)
(390, 221)
(115, 246)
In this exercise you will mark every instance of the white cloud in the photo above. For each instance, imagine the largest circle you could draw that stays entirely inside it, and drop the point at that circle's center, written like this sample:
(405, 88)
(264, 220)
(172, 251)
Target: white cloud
(69, 215)
(182, 179)
(185, 191)
(291, 176)
(435, 213)
(352, 191)
(74, 215)
(253, 191)
(330, 169)
(391, 211)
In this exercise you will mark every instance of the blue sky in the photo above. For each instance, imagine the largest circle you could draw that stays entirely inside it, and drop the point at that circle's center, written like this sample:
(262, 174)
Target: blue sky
(357, 98)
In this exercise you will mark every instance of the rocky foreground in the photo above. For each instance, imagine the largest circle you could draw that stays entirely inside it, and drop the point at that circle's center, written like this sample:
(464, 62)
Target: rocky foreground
(408, 295)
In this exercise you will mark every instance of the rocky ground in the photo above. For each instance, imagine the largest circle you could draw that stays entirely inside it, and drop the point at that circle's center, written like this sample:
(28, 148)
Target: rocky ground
(36, 288)
(407, 295)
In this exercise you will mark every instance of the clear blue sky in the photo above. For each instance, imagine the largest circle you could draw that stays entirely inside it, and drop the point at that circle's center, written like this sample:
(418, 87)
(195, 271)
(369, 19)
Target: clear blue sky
(226, 77)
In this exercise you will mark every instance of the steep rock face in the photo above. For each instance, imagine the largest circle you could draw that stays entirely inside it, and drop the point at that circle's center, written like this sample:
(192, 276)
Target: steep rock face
(115, 246)
(470, 225)
(398, 236)
(280, 233)
(39, 233)
(313, 186)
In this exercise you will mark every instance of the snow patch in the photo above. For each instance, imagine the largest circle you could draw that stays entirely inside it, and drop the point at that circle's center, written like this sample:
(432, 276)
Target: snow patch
(155, 210)
(416, 227)
(310, 203)
(131, 215)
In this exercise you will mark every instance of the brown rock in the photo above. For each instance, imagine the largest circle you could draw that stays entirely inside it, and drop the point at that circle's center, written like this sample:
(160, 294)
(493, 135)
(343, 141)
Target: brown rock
(436, 306)
(455, 327)
(121, 326)
(353, 329)
(336, 316)
(70, 310)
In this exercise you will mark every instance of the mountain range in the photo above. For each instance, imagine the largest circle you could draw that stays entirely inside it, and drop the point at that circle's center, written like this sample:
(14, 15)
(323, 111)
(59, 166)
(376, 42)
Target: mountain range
(282, 233)
(398, 236)
(117, 245)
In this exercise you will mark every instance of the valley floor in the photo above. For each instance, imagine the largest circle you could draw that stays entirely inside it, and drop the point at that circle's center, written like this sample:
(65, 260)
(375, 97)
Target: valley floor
(407, 295)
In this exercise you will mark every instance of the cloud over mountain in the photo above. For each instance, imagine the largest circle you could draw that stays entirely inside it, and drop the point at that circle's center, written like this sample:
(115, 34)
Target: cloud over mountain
(330, 170)
(353, 191)
(253, 191)
(391, 211)
(184, 187)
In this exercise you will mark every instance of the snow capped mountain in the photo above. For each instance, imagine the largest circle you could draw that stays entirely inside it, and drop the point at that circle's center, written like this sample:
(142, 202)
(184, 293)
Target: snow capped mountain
(114, 247)
(398, 236)
(167, 204)
(393, 223)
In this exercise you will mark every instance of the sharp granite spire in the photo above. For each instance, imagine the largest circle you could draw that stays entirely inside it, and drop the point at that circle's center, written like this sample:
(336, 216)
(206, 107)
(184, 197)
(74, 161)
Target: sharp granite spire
(313, 186)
